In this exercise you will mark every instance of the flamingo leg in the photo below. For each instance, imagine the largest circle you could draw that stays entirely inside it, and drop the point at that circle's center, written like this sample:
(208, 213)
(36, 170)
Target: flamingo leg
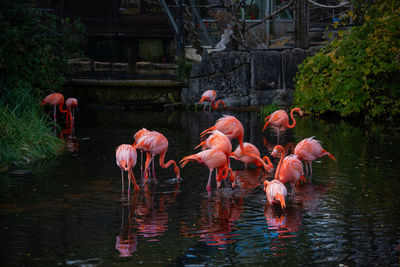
(141, 163)
(129, 181)
(306, 167)
(210, 108)
(208, 187)
(149, 158)
(292, 184)
(204, 106)
(122, 180)
(310, 170)
(54, 114)
(245, 166)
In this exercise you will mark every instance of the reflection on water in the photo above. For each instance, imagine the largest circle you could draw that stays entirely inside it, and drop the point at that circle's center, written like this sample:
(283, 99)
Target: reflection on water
(70, 211)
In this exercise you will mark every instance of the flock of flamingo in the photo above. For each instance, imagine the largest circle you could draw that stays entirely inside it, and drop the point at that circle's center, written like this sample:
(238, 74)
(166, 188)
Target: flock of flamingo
(216, 150)
(216, 153)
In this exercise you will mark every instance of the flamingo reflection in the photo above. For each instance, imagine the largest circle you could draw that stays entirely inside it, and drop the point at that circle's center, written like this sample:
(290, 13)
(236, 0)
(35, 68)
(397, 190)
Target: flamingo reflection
(217, 223)
(147, 217)
(126, 241)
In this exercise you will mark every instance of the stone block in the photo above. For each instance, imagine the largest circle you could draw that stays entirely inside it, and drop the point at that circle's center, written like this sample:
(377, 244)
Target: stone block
(283, 97)
(204, 68)
(228, 61)
(265, 70)
(290, 60)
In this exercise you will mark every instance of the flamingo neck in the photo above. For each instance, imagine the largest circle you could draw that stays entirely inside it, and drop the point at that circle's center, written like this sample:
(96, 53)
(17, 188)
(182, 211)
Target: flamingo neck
(61, 108)
(215, 104)
(280, 163)
(293, 119)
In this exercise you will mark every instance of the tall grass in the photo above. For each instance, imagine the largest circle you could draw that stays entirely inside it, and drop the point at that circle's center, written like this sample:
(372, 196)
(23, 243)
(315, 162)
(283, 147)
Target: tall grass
(26, 136)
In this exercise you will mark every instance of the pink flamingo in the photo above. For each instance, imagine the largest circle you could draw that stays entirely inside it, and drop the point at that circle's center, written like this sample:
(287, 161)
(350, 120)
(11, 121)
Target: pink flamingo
(309, 150)
(55, 99)
(154, 143)
(217, 140)
(126, 159)
(212, 158)
(276, 192)
(279, 120)
(238, 155)
(71, 104)
(290, 169)
(137, 136)
(210, 96)
(233, 128)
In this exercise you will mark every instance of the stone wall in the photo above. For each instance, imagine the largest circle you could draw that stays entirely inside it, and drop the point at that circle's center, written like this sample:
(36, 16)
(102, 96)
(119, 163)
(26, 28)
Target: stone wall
(246, 78)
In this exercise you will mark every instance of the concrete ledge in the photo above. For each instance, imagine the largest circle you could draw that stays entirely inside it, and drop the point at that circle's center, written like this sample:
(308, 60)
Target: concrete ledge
(137, 83)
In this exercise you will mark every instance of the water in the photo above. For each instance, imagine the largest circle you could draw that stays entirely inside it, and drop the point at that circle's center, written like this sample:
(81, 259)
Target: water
(70, 211)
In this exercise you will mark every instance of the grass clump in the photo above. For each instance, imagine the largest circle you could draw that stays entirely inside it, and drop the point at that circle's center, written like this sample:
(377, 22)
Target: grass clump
(25, 137)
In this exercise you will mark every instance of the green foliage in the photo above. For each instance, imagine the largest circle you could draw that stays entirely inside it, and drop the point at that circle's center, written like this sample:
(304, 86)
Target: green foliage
(184, 68)
(25, 137)
(34, 47)
(267, 110)
(151, 50)
(358, 72)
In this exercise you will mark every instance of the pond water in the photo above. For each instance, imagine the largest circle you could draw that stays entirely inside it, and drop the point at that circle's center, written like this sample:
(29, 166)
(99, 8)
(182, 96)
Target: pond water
(70, 212)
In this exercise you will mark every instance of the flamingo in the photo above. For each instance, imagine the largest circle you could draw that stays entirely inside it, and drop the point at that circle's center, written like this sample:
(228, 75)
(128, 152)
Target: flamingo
(290, 169)
(238, 155)
(276, 192)
(137, 136)
(212, 158)
(210, 96)
(310, 149)
(233, 128)
(279, 120)
(154, 143)
(55, 99)
(71, 103)
(217, 140)
(126, 159)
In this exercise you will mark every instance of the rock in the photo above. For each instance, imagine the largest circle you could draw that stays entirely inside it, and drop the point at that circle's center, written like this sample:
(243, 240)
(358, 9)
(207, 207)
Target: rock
(204, 68)
(265, 70)
(290, 60)
(228, 61)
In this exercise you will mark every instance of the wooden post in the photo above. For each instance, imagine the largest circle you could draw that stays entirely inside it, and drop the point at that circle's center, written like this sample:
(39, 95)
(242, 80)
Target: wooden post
(301, 24)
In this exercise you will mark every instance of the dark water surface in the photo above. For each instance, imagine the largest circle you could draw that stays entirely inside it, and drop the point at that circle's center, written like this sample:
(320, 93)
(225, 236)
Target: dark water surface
(70, 211)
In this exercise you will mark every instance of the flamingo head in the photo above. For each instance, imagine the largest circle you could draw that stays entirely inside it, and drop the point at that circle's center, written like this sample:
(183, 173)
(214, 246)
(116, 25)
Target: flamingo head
(277, 152)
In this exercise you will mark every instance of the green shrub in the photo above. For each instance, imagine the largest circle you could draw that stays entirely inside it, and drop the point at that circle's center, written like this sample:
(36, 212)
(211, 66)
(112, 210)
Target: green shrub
(357, 73)
(34, 47)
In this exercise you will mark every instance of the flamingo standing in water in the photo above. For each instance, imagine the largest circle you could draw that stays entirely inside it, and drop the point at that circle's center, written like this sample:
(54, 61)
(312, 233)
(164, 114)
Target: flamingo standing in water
(71, 103)
(279, 120)
(210, 96)
(233, 128)
(212, 158)
(309, 150)
(290, 169)
(126, 159)
(55, 99)
(217, 140)
(276, 192)
(238, 155)
(137, 136)
(154, 143)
